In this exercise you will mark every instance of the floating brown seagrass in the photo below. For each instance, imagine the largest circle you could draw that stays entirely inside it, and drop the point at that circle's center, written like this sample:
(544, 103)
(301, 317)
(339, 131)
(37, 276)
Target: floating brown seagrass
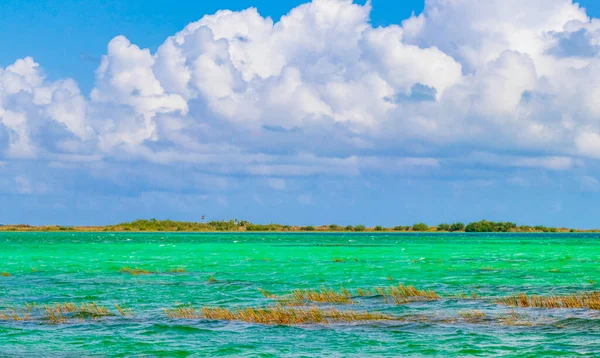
(400, 294)
(60, 312)
(276, 315)
(589, 300)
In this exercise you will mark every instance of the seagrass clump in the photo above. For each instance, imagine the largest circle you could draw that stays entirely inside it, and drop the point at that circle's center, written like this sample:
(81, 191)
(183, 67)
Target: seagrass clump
(405, 294)
(474, 316)
(58, 313)
(13, 314)
(324, 295)
(63, 312)
(364, 292)
(400, 294)
(514, 319)
(135, 271)
(124, 311)
(277, 315)
(589, 300)
(267, 294)
(301, 297)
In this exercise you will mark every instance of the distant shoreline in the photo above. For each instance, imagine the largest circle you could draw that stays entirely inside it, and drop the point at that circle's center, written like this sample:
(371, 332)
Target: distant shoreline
(241, 232)
(237, 226)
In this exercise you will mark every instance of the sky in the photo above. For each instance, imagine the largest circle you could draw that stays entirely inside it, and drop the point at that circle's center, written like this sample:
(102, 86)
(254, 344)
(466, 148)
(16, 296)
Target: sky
(69, 37)
(330, 111)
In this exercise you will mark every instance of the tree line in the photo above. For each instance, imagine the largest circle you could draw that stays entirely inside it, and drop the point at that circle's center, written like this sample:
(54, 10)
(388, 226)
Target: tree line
(243, 225)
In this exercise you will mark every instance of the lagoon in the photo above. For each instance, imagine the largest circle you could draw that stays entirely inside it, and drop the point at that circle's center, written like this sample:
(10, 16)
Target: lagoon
(470, 273)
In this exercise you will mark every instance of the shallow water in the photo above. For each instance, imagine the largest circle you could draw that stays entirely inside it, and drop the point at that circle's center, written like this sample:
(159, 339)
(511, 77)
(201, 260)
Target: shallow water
(85, 267)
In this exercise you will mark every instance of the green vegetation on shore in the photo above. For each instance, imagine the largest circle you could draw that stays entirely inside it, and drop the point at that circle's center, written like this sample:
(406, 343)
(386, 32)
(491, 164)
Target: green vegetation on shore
(154, 225)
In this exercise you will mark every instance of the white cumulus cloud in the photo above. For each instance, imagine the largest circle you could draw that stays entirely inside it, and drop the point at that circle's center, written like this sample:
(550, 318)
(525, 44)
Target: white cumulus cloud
(323, 92)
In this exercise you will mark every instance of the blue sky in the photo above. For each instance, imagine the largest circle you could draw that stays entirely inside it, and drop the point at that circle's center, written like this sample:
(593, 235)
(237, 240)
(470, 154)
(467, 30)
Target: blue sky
(337, 112)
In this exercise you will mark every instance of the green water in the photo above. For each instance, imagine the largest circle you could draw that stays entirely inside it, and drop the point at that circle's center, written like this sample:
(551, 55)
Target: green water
(85, 267)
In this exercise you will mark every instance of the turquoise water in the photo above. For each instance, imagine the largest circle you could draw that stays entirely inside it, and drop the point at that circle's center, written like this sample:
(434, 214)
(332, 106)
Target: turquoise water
(46, 268)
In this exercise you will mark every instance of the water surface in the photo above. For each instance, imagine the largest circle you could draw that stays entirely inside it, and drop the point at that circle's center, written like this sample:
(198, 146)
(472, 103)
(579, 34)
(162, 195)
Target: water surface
(85, 267)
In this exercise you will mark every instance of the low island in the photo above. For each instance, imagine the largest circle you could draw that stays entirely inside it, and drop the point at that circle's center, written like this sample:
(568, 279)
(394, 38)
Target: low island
(154, 225)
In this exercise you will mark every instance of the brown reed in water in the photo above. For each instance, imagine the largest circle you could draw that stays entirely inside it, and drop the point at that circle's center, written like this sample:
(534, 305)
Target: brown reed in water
(124, 311)
(57, 313)
(11, 314)
(400, 294)
(514, 319)
(404, 294)
(61, 312)
(267, 294)
(589, 300)
(323, 295)
(277, 315)
(135, 271)
(473, 316)
(282, 315)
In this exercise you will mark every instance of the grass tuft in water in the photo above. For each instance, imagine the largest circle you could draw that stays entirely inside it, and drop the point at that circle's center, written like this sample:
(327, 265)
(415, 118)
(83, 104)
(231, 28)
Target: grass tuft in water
(12, 314)
(59, 313)
(62, 312)
(124, 311)
(278, 315)
(135, 271)
(590, 300)
(474, 316)
(405, 294)
(514, 319)
(267, 294)
(323, 295)
(400, 294)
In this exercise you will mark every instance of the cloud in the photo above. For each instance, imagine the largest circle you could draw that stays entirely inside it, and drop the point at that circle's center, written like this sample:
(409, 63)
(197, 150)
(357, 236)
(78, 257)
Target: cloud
(574, 44)
(478, 32)
(322, 92)
(544, 162)
(39, 116)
